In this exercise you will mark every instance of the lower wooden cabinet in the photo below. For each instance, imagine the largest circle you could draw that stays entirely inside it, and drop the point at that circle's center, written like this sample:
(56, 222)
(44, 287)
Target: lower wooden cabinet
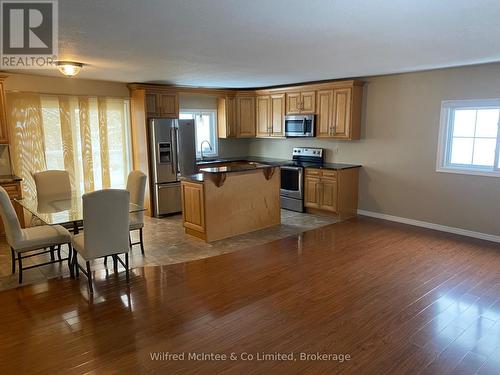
(333, 191)
(193, 206)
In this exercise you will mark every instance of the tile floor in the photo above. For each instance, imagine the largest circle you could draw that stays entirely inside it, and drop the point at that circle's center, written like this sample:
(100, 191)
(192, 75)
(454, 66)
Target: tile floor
(166, 243)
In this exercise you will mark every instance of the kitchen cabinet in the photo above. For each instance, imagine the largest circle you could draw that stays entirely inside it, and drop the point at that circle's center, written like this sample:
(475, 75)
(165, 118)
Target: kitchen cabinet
(4, 131)
(226, 117)
(324, 119)
(193, 206)
(162, 104)
(278, 115)
(264, 126)
(245, 116)
(339, 113)
(301, 102)
(331, 191)
(312, 191)
(270, 115)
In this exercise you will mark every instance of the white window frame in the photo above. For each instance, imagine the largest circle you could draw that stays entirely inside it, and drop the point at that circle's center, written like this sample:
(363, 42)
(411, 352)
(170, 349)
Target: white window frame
(445, 138)
(215, 142)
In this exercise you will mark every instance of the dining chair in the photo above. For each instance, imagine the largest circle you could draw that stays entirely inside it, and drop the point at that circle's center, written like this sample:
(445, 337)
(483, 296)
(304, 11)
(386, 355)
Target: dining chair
(106, 219)
(136, 186)
(28, 240)
(52, 184)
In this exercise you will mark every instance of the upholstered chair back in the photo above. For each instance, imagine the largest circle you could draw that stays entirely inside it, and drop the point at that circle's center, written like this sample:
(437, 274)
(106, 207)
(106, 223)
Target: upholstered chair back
(53, 184)
(136, 186)
(106, 221)
(13, 229)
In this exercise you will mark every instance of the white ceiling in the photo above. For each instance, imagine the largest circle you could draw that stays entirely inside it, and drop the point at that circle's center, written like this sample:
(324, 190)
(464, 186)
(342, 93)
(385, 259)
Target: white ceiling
(251, 43)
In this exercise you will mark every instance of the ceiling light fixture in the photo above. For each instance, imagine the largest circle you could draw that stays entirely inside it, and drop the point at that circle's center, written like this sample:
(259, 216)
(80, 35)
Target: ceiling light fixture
(69, 68)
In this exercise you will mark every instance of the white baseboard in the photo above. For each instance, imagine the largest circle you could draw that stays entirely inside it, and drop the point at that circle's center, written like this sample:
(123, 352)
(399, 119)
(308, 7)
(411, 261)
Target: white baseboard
(425, 224)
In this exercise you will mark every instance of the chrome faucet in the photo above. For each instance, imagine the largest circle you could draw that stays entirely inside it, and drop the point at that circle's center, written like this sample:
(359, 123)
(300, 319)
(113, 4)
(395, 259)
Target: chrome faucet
(201, 147)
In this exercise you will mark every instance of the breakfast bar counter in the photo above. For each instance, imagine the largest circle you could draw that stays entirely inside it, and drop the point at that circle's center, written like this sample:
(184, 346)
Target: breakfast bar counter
(226, 200)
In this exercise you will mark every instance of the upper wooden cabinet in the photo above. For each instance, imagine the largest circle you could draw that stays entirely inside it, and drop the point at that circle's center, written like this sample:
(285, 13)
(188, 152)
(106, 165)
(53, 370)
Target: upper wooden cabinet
(264, 127)
(245, 116)
(162, 104)
(270, 115)
(4, 132)
(226, 117)
(278, 115)
(300, 102)
(339, 113)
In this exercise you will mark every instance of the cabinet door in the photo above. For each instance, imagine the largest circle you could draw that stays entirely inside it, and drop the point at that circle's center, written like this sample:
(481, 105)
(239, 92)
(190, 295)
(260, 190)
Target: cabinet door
(308, 102)
(231, 117)
(311, 192)
(193, 206)
(264, 127)
(293, 103)
(169, 105)
(328, 192)
(342, 112)
(152, 105)
(245, 116)
(278, 115)
(324, 125)
(226, 117)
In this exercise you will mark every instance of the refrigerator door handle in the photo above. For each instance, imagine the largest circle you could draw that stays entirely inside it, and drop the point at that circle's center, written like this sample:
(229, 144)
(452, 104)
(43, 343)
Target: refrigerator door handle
(175, 151)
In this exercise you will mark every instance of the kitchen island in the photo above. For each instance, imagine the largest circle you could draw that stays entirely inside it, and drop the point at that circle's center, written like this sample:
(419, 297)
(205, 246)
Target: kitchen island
(235, 198)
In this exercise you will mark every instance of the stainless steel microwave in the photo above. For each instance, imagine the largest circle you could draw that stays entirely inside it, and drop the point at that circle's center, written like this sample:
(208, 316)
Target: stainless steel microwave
(299, 126)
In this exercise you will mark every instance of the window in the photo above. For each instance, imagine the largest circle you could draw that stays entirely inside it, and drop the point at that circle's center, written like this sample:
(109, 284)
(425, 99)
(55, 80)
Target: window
(469, 141)
(206, 130)
(87, 136)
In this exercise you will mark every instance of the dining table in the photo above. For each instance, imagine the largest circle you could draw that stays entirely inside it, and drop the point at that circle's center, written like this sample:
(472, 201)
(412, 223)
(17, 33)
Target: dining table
(62, 210)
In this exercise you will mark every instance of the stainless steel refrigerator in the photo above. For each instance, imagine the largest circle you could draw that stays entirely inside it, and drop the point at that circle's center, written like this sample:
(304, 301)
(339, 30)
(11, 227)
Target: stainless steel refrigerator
(173, 154)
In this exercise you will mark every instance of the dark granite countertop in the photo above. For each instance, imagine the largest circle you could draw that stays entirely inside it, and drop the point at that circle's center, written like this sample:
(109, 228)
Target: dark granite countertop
(245, 166)
(9, 178)
(278, 162)
(264, 162)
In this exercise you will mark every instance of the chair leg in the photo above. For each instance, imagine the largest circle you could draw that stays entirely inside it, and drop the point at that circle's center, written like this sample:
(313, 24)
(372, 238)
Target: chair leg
(52, 257)
(20, 260)
(75, 263)
(13, 260)
(89, 272)
(129, 241)
(70, 263)
(59, 252)
(126, 267)
(142, 241)
(115, 263)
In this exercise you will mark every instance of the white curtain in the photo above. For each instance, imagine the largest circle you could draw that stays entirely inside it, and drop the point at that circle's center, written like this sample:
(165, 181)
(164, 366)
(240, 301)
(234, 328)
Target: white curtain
(87, 136)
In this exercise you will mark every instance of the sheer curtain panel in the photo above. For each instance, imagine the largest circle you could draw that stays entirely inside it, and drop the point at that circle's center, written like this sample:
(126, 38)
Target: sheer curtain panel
(87, 136)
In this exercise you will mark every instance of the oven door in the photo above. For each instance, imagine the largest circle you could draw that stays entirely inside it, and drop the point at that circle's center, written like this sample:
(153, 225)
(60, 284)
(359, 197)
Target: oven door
(292, 182)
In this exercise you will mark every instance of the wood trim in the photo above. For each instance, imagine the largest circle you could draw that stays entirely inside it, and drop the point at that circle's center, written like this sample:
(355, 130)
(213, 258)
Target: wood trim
(140, 142)
(246, 91)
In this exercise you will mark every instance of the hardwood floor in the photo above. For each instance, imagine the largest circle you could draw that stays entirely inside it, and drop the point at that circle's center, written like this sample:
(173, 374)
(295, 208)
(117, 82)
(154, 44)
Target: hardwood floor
(395, 298)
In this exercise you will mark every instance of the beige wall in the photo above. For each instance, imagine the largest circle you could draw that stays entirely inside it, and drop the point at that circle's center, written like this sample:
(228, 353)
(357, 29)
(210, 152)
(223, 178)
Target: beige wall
(62, 85)
(398, 150)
